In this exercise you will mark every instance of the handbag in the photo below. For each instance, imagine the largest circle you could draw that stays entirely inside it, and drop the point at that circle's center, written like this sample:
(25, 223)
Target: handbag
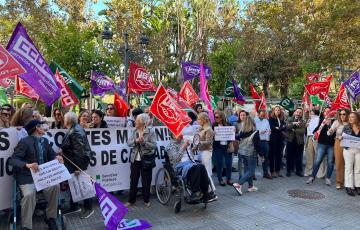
(230, 148)
(147, 161)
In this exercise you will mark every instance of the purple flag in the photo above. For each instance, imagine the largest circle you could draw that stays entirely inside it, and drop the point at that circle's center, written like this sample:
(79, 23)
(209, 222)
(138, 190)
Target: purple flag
(135, 224)
(100, 83)
(353, 85)
(122, 89)
(39, 75)
(238, 96)
(191, 70)
(112, 209)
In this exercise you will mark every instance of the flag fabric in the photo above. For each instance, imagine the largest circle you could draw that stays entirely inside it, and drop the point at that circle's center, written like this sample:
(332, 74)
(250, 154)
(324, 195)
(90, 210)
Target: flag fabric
(238, 96)
(122, 89)
(256, 97)
(287, 104)
(3, 96)
(9, 66)
(135, 224)
(7, 82)
(316, 100)
(307, 105)
(38, 75)
(168, 111)
(121, 106)
(99, 104)
(321, 88)
(353, 85)
(188, 93)
(312, 77)
(23, 88)
(144, 101)
(229, 89)
(100, 83)
(139, 80)
(75, 87)
(191, 70)
(263, 105)
(111, 208)
(172, 92)
(328, 100)
(342, 100)
(68, 98)
(204, 93)
(214, 100)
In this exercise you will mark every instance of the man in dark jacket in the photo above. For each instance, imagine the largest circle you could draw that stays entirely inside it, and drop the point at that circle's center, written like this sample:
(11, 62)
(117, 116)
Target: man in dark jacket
(76, 151)
(28, 154)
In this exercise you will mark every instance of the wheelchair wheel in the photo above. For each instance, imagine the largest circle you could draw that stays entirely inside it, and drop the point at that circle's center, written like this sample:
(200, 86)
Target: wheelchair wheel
(163, 186)
(177, 206)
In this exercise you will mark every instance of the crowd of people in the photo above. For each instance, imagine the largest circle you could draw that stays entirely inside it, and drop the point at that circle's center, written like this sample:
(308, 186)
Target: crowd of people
(268, 137)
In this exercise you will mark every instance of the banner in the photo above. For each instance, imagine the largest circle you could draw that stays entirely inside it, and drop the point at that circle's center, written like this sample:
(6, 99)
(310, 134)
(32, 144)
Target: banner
(69, 80)
(168, 111)
(191, 70)
(139, 80)
(9, 66)
(39, 75)
(81, 187)
(121, 106)
(21, 87)
(287, 104)
(188, 93)
(312, 77)
(204, 93)
(68, 98)
(50, 173)
(353, 85)
(224, 133)
(100, 83)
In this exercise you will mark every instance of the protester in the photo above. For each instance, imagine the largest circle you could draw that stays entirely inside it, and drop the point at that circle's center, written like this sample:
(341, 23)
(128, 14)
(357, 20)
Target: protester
(4, 118)
(295, 127)
(337, 127)
(352, 156)
(239, 126)
(97, 120)
(132, 118)
(84, 119)
(9, 108)
(143, 142)
(111, 111)
(198, 108)
(76, 151)
(276, 144)
(27, 105)
(233, 117)
(58, 122)
(249, 148)
(220, 150)
(20, 119)
(29, 153)
(263, 126)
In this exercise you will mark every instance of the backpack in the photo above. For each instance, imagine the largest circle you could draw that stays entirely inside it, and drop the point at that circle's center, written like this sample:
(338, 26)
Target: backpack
(246, 145)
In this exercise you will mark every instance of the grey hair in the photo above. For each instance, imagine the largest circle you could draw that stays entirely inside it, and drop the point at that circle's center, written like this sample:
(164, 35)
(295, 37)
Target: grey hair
(71, 117)
(144, 118)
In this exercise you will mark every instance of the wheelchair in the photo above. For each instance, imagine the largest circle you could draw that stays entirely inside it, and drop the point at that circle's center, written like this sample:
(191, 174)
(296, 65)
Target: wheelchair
(40, 205)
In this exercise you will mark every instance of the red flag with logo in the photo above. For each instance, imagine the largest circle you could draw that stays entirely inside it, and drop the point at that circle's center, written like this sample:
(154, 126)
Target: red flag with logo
(139, 80)
(255, 96)
(9, 66)
(312, 77)
(188, 93)
(342, 100)
(68, 98)
(168, 111)
(321, 88)
(121, 106)
(23, 88)
(263, 102)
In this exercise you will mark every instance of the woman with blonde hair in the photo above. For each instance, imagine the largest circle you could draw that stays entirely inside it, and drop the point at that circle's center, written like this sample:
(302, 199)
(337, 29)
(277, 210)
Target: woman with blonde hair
(20, 119)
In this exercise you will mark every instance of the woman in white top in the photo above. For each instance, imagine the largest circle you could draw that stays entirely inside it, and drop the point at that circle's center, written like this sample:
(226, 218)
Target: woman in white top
(342, 117)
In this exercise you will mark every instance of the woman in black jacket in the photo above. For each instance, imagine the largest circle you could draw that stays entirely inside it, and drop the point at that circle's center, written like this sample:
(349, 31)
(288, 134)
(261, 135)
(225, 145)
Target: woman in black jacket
(277, 126)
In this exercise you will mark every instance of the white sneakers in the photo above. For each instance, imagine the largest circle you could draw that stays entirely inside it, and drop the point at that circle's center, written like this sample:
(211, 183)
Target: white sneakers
(252, 189)
(237, 187)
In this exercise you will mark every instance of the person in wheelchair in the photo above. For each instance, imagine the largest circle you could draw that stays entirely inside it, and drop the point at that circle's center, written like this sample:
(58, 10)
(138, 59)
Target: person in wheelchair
(194, 174)
(30, 152)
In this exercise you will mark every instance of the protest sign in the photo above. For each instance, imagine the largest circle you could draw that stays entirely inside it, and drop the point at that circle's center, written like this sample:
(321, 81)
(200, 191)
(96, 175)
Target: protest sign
(81, 187)
(224, 133)
(50, 173)
(115, 122)
(350, 141)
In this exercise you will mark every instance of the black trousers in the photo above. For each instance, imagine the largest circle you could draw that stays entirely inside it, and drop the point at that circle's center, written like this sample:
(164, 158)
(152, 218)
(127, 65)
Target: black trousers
(275, 155)
(146, 175)
(294, 155)
(198, 179)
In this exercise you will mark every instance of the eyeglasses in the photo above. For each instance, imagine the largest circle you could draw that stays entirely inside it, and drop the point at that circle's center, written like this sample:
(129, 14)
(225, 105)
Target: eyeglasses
(110, 108)
(6, 114)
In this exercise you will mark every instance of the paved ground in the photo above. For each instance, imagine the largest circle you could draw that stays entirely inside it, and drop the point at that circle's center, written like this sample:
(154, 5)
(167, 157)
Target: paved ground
(269, 208)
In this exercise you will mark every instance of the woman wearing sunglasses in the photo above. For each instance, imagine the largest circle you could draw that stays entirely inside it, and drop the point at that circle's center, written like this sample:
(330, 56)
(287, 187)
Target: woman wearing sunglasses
(4, 118)
(58, 122)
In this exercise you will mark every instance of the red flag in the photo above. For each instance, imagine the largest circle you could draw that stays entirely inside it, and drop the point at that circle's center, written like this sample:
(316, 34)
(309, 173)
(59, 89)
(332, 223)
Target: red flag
(172, 92)
(68, 97)
(342, 100)
(121, 107)
(168, 111)
(23, 88)
(6, 82)
(188, 93)
(321, 88)
(312, 77)
(307, 105)
(9, 66)
(139, 80)
(255, 96)
(263, 101)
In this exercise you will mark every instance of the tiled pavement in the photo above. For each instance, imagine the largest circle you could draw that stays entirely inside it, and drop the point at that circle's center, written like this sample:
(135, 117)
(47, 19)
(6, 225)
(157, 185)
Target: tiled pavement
(268, 208)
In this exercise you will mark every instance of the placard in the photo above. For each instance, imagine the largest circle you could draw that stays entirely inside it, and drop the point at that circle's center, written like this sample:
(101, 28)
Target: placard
(115, 122)
(81, 187)
(224, 133)
(350, 141)
(50, 173)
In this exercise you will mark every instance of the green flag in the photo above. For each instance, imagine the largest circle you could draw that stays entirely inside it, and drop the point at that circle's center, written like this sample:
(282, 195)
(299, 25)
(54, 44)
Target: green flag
(287, 104)
(316, 100)
(3, 97)
(214, 100)
(229, 89)
(70, 81)
(144, 101)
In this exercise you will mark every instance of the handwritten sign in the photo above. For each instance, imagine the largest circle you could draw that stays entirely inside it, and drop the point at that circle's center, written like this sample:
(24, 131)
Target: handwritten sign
(50, 174)
(350, 141)
(81, 187)
(115, 122)
(224, 133)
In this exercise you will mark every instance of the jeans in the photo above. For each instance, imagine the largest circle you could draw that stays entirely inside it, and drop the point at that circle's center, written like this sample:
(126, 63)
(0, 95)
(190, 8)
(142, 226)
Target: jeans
(220, 154)
(322, 151)
(249, 169)
(265, 149)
